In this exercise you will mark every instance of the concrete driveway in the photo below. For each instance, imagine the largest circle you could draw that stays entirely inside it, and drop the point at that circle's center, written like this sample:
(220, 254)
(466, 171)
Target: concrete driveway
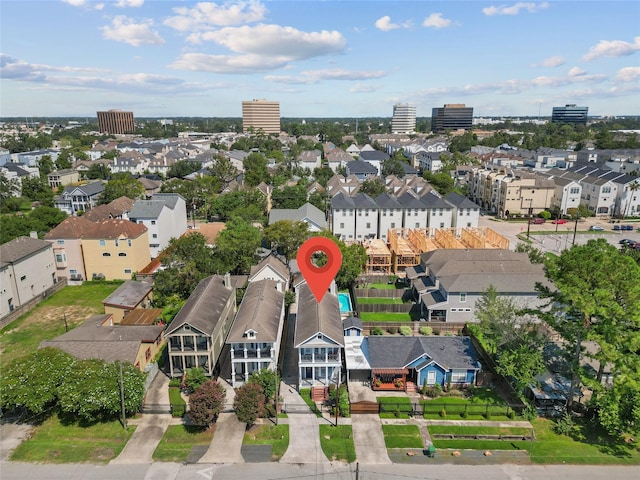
(369, 440)
(140, 447)
(304, 431)
(11, 435)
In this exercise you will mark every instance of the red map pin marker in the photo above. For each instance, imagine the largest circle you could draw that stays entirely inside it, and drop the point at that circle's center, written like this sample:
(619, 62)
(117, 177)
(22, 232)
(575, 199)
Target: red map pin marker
(319, 278)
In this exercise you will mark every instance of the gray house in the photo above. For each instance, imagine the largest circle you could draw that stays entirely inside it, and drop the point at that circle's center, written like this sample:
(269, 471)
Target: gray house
(198, 332)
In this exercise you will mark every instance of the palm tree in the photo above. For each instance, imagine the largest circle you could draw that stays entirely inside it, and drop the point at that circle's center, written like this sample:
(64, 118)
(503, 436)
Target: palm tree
(635, 186)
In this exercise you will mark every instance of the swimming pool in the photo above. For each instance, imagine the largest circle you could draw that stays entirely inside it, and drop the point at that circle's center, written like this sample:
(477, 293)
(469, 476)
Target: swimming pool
(345, 302)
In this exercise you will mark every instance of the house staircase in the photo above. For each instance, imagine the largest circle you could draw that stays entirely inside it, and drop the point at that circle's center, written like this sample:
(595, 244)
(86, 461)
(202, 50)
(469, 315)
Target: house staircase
(411, 387)
(319, 394)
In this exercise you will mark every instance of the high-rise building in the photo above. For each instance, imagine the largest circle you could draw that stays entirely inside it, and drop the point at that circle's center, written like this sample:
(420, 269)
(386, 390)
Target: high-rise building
(261, 115)
(116, 122)
(453, 116)
(404, 118)
(570, 114)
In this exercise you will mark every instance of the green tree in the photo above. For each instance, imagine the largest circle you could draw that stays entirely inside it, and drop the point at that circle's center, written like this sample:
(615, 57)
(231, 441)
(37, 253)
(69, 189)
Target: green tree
(535, 254)
(373, 187)
(121, 185)
(322, 175)
(98, 171)
(289, 197)
(182, 169)
(206, 403)
(249, 403)
(236, 246)
(392, 166)
(597, 297)
(45, 165)
(441, 181)
(8, 187)
(223, 169)
(464, 142)
(37, 189)
(267, 379)
(354, 259)
(497, 319)
(194, 378)
(286, 236)
(250, 205)
(31, 384)
(521, 362)
(64, 159)
(255, 169)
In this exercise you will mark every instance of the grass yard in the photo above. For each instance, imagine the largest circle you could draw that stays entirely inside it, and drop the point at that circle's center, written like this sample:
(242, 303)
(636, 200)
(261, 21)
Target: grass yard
(482, 404)
(22, 336)
(305, 393)
(385, 317)
(55, 442)
(381, 286)
(464, 430)
(178, 440)
(275, 435)
(402, 436)
(395, 407)
(337, 442)
(379, 301)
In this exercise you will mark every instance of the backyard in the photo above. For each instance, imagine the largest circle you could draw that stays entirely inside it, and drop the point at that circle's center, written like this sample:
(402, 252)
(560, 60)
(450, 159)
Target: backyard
(73, 304)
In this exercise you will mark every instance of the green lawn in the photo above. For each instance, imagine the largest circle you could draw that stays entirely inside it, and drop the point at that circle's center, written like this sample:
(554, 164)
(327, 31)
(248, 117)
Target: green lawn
(178, 440)
(378, 301)
(46, 321)
(475, 406)
(55, 442)
(275, 435)
(305, 393)
(385, 317)
(395, 407)
(382, 286)
(337, 442)
(402, 436)
(464, 430)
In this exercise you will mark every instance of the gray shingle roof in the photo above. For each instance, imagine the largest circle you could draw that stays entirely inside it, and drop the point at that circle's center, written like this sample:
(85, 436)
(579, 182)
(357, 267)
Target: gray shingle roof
(204, 306)
(385, 200)
(362, 200)
(358, 167)
(459, 201)
(307, 210)
(314, 317)
(352, 322)
(260, 311)
(129, 294)
(398, 352)
(21, 247)
(375, 155)
(408, 200)
(432, 201)
(342, 200)
(90, 189)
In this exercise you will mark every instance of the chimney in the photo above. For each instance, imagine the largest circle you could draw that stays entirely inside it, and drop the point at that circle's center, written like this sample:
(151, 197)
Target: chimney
(227, 280)
(33, 234)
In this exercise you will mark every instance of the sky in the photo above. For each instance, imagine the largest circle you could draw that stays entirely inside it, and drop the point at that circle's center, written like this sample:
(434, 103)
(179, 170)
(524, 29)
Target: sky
(328, 58)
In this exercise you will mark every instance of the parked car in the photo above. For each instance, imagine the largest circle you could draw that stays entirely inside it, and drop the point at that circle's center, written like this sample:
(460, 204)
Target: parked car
(617, 228)
(627, 227)
(537, 220)
(560, 221)
(627, 242)
(596, 228)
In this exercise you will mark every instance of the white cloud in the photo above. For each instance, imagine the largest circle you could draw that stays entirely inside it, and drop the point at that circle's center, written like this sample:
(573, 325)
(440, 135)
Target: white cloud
(612, 48)
(206, 15)
(551, 62)
(362, 88)
(85, 3)
(384, 24)
(277, 41)
(123, 29)
(435, 20)
(75, 3)
(628, 74)
(576, 72)
(515, 9)
(200, 62)
(129, 3)
(99, 6)
(315, 76)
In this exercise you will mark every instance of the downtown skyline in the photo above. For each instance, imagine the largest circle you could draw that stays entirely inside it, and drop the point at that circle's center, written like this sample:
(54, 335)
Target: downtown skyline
(317, 58)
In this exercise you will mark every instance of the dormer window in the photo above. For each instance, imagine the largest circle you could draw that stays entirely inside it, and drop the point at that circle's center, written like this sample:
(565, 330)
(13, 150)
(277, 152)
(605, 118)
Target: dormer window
(250, 334)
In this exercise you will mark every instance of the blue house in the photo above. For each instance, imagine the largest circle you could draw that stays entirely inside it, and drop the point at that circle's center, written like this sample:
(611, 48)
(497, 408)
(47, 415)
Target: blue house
(401, 362)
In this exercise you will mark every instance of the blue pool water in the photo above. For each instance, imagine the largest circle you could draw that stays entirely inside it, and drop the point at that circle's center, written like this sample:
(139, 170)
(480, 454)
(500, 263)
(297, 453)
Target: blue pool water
(345, 302)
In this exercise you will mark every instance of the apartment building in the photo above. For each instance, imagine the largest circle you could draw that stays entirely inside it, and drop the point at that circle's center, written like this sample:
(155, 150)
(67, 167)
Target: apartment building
(116, 122)
(261, 115)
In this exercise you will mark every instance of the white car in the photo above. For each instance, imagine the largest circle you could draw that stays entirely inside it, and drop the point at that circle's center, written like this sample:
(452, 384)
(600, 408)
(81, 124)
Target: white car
(596, 228)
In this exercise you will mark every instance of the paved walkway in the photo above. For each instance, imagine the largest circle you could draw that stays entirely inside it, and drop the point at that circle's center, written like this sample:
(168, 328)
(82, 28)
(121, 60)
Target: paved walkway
(304, 431)
(368, 439)
(227, 439)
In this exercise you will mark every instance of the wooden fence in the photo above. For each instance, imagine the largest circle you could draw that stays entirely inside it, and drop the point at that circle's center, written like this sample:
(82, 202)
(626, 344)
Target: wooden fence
(379, 293)
(446, 410)
(385, 307)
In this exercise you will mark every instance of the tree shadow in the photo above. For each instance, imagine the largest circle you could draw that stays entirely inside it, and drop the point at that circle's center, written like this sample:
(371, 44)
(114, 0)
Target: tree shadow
(585, 431)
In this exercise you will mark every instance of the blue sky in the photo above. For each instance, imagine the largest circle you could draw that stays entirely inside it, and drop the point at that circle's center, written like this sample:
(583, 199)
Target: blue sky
(317, 58)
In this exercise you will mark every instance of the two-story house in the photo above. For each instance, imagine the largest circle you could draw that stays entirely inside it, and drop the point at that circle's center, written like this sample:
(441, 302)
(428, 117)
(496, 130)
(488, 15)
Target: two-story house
(390, 213)
(343, 217)
(255, 336)
(466, 214)
(273, 269)
(165, 217)
(27, 270)
(318, 339)
(366, 217)
(197, 333)
(79, 198)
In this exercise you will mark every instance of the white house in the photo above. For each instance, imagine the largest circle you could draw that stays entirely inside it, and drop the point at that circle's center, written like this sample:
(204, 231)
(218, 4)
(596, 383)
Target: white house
(271, 269)
(465, 213)
(343, 217)
(390, 213)
(366, 217)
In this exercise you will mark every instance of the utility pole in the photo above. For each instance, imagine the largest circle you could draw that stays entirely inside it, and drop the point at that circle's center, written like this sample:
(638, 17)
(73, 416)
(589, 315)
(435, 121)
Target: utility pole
(276, 394)
(575, 228)
(337, 394)
(124, 415)
(66, 326)
(530, 214)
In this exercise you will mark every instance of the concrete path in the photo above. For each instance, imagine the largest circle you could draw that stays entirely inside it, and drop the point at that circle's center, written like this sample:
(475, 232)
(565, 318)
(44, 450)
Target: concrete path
(227, 439)
(369, 440)
(304, 431)
(140, 447)
(11, 435)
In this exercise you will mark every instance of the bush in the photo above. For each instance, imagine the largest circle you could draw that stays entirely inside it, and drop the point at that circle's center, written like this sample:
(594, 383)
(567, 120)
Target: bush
(392, 330)
(530, 413)
(443, 413)
(426, 331)
(206, 403)
(406, 331)
(249, 402)
(545, 214)
(194, 379)
(377, 331)
(564, 425)
(174, 382)
(463, 414)
(433, 391)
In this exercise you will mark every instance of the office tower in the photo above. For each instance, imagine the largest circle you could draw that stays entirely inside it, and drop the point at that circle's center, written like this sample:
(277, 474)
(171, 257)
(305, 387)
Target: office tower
(261, 115)
(115, 122)
(453, 116)
(404, 118)
(570, 114)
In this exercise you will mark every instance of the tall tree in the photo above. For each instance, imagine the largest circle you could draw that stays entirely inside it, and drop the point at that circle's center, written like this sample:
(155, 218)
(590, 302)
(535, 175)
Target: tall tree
(206, 403)
(98, 170)
(182, 169)
(249, 403)
(255, 169)
(373, 187)
(45, 165)
(223, 169)
(597, 297)
(286, 236)
(37, 189)
(289, 197)
(8, 187)
(236, 246)
(121, 185)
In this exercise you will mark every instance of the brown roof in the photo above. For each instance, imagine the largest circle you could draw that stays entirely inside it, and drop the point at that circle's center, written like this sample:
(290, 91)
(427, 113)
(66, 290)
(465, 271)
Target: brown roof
(209, 230)
(112, 210)
(116, 229)
(260, 311)
(142, 316)
(70, 227)
(313, 317)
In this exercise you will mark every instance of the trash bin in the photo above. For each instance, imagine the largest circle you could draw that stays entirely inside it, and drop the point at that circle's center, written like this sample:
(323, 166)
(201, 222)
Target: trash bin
(431, 451)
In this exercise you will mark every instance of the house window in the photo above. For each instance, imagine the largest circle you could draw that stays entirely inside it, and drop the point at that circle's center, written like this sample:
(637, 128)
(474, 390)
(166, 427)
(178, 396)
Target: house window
(393, 224)
(153, 222)
(122, 254)
(574, 190)
(23, 278)
(61, 257)
(60, 242)
(458, 376)
(147, 354)
(368, 225)
(155, 235)
(463, 297)
(129, 242)
(103, 243)
(342, 225)
(606, 189)
(417, 224)
(116, 242)
(106, 254)
(127, 271)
